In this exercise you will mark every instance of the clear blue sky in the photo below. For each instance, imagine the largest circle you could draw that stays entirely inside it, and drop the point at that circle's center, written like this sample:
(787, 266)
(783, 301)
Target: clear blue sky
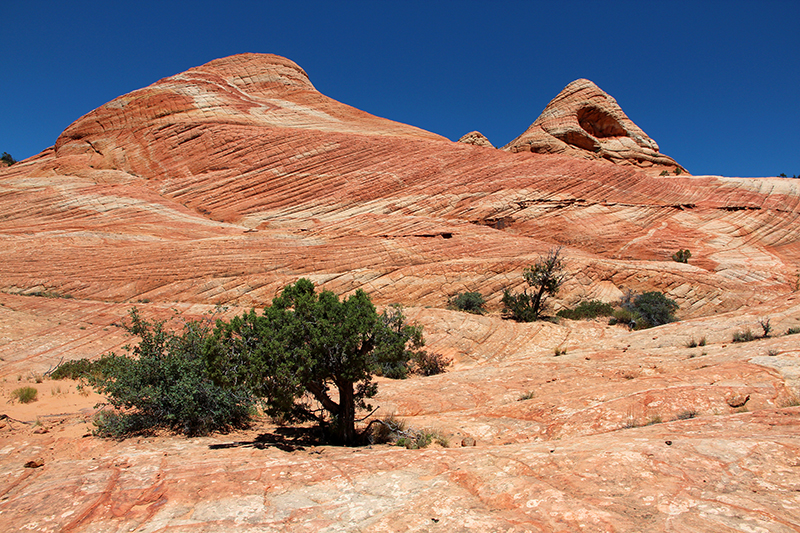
(715, 83)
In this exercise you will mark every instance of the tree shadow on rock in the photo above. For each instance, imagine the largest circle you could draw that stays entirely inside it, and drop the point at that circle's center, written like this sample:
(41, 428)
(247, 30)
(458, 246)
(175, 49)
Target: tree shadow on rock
(288, 439)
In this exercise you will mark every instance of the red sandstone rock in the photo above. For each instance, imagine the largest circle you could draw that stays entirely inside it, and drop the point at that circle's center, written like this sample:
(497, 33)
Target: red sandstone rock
(586, 122)
(224, 183)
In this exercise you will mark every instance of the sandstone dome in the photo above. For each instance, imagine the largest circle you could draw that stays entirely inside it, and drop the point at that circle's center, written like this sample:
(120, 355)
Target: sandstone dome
(584, 121)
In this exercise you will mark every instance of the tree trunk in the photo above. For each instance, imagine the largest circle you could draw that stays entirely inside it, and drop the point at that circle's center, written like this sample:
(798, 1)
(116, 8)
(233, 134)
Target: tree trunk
(347, 413)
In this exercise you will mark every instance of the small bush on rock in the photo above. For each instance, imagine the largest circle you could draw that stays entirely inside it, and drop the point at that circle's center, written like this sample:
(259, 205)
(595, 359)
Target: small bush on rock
(647, 310)
(470, 302)
(681, 256)
(590, 309)
(744, 336)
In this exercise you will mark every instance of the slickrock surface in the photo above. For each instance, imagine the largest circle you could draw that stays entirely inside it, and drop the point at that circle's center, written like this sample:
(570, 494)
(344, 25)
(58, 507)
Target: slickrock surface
(586, 122)
(222, 184)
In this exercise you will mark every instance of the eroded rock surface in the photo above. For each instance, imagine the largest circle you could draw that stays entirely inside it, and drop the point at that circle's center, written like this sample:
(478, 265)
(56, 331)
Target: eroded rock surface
(585, 121)
(476, 138)
(225, 183)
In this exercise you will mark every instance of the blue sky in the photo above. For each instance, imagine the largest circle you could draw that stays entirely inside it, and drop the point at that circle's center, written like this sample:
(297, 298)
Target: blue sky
(715, 83)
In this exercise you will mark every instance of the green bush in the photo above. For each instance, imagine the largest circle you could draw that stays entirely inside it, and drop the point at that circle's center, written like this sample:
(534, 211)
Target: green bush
(681, 256)
(654, 309)
(164, 382)
(470, 302)
(625, 317)
(80, 369)
(519, 306)
(647, 310)
(7, 159)
(590, 309)
(24, 394)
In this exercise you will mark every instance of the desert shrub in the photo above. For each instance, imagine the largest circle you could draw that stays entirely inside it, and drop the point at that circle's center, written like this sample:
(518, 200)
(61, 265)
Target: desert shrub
(653, 309)
(587, 309)
(694, 344)
(164, 382)
(426, 363)
(558, 351)
(793, 331)
(545, 278)
(664, 173)
(625, 317)
(392, 430)
(744, 336)
(686, 415)
(470, 302)
(647, 310)
(519, 306)
(681, 256)
(655, 419)
(7, 159)
(765, 326)
(24, 394)
(526, 396)
(387, 429)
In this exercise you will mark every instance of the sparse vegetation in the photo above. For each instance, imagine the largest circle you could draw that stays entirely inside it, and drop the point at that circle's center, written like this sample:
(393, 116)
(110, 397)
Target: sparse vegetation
(24, 394)
(587, 309)
(7, 160)
(772, 353)
(793, 331)
(558, 351)
(545, 278)
(682, 256)
(686, 415)
(392, 430)
(694, 344)
(765, 326)
(470, 302)
(526, 396)
(664, 173)
(744, 336)
(655, 419)
(49, 294)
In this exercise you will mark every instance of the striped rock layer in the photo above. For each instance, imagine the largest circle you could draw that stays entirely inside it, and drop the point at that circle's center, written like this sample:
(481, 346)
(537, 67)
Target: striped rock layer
(224, 183)
(232, 179)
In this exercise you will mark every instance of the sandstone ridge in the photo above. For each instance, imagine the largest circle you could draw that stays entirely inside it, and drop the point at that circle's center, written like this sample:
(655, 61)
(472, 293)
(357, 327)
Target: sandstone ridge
(584, 121)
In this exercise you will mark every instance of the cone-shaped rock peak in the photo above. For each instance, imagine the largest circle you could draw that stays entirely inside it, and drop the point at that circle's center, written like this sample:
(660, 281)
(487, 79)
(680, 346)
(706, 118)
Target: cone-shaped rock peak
(585, 121)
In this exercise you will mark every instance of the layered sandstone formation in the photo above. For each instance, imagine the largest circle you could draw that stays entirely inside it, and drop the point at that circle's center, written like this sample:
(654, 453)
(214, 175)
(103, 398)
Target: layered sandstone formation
(476, 138)
(586, 122)
(222, 184)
